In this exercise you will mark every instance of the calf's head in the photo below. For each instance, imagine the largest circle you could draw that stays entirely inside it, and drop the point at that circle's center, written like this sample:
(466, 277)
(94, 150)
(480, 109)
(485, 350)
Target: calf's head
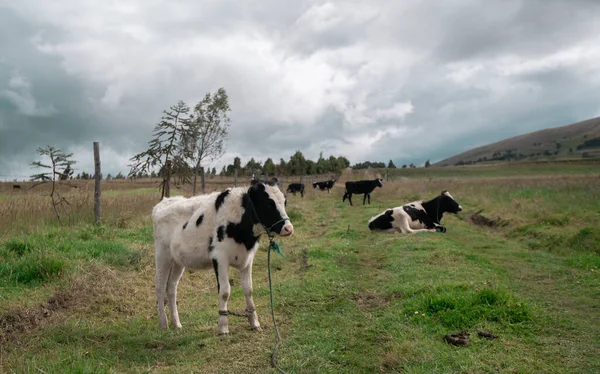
(379, 182)
(448, 204)
(269, 205)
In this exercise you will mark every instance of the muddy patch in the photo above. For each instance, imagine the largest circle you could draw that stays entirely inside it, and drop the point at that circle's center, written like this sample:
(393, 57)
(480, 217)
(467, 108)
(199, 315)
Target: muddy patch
(368, 301)
(478, 219)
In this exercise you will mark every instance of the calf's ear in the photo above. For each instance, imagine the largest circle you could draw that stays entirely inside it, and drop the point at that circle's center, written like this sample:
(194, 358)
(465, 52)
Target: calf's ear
(389, 212)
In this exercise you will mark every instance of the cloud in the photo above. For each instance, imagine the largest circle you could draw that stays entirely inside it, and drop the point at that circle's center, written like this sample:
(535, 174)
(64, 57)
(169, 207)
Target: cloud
(19, 94)
(378, 80)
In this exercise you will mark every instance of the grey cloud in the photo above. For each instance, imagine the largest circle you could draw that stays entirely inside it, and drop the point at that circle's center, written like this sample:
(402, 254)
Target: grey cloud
(297, 78)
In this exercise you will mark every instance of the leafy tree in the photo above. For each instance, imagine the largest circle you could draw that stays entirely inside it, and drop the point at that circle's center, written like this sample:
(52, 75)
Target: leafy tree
(282, 168)
(311, 167)
(210, 126)
(170, 148)
(342, 163)
(269, 167)
(404, 166)
(252, 167)
(297, 164)
(427, 164)
(109, 177)
(119, 176)
(58, 160)
(213, 172)
(391, 165)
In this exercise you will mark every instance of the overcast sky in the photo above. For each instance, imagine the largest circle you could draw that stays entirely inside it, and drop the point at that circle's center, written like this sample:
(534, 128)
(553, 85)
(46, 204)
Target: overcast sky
(407, 80)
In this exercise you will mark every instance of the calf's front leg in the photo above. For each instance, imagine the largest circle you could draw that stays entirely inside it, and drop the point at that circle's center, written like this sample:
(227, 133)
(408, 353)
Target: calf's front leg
(246, 280)
(222, 273)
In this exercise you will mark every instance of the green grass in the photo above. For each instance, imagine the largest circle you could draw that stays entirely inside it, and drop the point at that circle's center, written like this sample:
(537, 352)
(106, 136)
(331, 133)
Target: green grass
(346, 300)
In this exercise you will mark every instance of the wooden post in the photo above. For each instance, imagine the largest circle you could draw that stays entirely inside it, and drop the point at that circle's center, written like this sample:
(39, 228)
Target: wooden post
(166, 180)
(386, 176)
(98, 178)
(235, 178)
(202, 179)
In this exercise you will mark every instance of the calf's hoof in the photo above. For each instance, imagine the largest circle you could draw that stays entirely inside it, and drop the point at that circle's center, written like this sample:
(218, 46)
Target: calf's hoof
(441, 229)
(256, 328)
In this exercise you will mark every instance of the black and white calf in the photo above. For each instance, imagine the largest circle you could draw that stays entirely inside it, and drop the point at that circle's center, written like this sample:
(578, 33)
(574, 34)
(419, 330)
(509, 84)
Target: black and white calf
(296, 187)
(326, 185)
(217, 230)
(417, 216)
(361, 187)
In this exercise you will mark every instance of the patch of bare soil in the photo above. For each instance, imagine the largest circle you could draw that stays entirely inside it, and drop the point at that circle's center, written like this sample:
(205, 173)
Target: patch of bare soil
(478, 219)
(95, 290)
(22, 321)
(368, 301)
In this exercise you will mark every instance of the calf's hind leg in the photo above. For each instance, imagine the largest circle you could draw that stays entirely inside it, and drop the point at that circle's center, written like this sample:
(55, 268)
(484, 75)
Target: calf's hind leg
(163, 269)
(174, 277)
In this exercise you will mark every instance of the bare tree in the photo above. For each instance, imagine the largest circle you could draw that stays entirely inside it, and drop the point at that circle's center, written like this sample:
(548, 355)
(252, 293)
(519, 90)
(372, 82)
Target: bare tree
(169, 150)
(210, 127)
(58, 160)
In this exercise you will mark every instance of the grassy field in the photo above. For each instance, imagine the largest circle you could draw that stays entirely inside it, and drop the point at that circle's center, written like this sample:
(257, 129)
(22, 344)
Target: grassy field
(80, 298)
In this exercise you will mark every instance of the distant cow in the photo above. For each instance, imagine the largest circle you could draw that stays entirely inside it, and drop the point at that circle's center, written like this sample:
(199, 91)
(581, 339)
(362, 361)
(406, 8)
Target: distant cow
(417, 216)
(296, 187)
(361, 187)
(217, 230)
(16, 186)
(327, 185)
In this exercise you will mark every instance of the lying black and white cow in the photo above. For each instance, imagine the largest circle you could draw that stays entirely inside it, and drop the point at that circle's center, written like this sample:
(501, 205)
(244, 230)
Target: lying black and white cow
(217, 230)
(361, 187)
(296, 187)
(327, 185)
(417, 216)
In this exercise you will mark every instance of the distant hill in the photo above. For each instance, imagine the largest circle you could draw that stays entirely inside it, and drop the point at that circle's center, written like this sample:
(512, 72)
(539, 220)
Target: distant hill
(578, 140)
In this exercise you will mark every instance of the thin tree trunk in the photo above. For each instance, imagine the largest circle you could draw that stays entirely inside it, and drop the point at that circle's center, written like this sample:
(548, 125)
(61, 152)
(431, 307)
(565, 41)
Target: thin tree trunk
(194, 184)
(202, 179)
(166, 190)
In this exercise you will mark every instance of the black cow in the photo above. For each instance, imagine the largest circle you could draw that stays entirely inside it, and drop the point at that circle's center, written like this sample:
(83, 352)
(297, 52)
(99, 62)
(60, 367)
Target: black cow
(16, 186)
(327, 185)
(361, 187)
(296, 187)
(417, 216)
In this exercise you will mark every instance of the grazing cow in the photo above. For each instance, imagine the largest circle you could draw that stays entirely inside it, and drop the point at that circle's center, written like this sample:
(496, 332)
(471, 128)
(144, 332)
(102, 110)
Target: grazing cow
(217, 230)
(327, 185)
(16, 186)
(296, 187)
(361, 187)
(417, 216)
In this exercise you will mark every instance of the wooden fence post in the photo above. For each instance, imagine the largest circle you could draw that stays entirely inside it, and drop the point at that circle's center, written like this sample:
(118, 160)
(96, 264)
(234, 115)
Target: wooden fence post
(202, 182)
(98, 178)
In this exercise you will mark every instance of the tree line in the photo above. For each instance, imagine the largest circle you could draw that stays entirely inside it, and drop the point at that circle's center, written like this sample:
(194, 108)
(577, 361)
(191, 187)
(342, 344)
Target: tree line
(296, 165)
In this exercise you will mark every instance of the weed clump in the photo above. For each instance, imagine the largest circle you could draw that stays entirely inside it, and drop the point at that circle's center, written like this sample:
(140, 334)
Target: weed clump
(464, 308)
